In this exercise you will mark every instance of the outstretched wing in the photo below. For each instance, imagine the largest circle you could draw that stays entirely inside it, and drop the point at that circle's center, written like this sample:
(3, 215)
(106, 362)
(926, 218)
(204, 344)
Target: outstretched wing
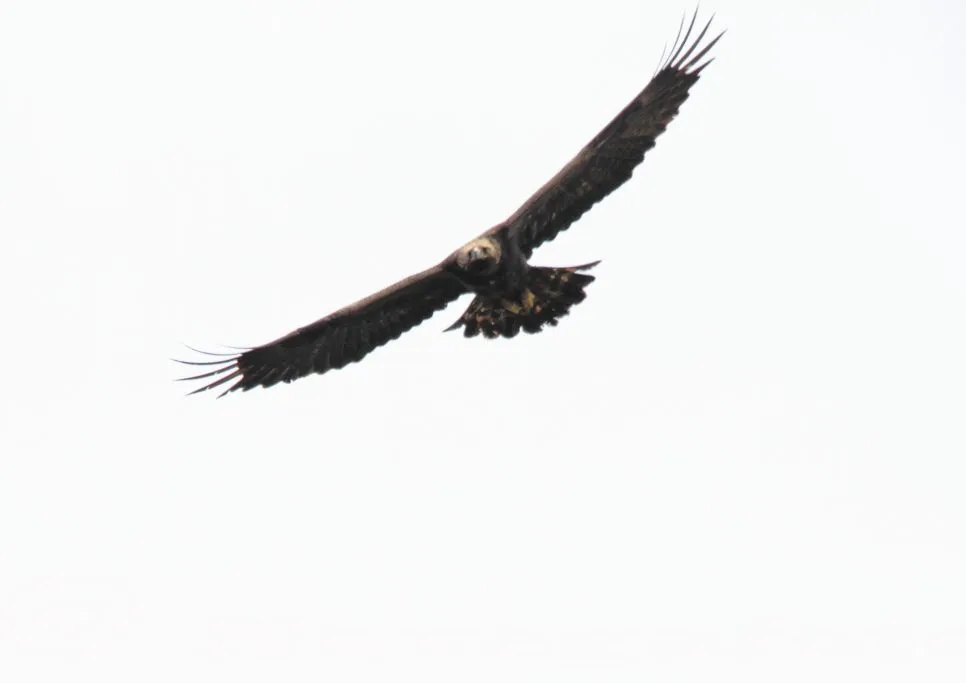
(343, 337)
(608, 161)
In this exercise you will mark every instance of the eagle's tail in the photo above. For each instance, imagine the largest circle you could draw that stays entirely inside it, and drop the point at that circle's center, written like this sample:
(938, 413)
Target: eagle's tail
(548, 297)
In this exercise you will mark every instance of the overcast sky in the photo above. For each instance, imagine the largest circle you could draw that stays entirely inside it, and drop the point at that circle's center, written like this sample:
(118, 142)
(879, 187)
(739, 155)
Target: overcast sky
(743, 457)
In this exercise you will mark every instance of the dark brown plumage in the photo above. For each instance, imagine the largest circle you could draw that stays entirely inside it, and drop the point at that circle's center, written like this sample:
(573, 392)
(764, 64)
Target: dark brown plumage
(510, 294)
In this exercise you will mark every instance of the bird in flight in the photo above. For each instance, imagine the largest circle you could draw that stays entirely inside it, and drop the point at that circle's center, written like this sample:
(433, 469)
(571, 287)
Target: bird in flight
(510, 293)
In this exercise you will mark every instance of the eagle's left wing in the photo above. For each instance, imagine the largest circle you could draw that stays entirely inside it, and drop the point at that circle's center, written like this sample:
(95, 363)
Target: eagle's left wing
(343, 337)
(608, 161)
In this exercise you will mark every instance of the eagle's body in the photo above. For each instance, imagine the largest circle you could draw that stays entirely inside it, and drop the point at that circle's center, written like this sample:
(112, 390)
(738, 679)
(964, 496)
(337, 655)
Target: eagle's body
(510, 293)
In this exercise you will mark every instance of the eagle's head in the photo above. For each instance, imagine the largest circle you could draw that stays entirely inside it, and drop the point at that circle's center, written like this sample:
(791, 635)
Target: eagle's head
(479, 257)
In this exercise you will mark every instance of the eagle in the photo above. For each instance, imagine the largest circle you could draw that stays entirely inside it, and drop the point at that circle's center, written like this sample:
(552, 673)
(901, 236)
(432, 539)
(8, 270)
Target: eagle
(510, 294)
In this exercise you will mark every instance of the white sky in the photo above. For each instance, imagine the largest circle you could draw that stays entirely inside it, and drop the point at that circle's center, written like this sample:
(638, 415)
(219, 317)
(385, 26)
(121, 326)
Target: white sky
(742, 458)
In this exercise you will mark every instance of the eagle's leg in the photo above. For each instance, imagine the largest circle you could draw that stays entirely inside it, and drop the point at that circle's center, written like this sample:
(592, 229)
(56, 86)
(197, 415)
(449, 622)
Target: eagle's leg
(549, 294)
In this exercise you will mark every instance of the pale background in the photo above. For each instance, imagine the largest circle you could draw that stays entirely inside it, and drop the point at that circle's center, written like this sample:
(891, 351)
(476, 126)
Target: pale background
(742, 458)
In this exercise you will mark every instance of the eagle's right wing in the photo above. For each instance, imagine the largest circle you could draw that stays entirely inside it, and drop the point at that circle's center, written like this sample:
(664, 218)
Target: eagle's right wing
(337, 339)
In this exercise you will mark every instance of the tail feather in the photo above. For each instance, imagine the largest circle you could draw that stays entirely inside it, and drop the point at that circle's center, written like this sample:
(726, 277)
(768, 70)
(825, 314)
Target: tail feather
(549, 295)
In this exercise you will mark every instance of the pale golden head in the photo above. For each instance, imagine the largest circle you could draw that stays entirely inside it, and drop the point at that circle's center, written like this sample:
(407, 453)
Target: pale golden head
(479, 257)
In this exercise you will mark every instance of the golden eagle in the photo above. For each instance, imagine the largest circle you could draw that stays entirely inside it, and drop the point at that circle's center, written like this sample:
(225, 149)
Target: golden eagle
(511, 294)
